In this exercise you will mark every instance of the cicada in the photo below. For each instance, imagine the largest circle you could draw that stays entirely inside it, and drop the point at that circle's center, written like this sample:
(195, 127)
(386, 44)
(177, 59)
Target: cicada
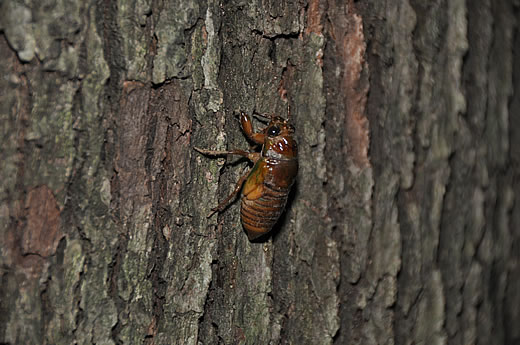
(266, 186)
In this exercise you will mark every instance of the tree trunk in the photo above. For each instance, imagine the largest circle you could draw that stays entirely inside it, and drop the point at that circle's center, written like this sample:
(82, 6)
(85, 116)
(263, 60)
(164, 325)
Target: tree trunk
(402, 228)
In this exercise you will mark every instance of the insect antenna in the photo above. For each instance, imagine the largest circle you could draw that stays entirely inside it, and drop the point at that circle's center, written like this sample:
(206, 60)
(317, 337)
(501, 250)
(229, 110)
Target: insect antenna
(288, 110)
(262, 117)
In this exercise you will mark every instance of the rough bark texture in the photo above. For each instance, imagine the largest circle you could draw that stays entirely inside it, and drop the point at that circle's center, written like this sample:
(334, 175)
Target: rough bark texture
(403, 227)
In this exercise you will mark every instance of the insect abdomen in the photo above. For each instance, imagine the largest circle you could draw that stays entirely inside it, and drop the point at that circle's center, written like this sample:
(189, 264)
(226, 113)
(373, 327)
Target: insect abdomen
(259, 215)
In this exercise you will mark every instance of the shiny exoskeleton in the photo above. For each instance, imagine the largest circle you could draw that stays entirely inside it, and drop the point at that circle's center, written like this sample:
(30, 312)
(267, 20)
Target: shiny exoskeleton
(268, 182)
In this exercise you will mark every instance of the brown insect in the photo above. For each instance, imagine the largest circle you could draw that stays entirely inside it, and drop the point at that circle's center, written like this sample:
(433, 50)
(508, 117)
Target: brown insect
(268, 182)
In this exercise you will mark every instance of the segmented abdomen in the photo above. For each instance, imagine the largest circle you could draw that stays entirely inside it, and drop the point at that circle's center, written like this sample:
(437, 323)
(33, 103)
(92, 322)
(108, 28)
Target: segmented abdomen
(259, 216)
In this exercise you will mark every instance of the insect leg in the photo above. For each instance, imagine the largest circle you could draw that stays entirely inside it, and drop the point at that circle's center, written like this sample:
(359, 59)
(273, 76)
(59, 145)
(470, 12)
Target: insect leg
(247, 127)
(231, 197)
(252, 156)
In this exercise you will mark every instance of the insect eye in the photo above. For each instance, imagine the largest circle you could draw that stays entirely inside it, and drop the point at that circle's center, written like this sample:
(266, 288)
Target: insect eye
(273, 131)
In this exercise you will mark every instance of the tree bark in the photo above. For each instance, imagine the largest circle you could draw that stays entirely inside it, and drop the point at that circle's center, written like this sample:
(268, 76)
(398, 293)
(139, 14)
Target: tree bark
(403, 224)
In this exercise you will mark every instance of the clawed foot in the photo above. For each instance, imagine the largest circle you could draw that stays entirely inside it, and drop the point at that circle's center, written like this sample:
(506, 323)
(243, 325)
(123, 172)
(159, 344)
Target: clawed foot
(213, 211)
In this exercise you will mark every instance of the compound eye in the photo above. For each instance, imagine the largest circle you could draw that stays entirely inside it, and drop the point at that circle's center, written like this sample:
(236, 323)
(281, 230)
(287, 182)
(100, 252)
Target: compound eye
(273, 131)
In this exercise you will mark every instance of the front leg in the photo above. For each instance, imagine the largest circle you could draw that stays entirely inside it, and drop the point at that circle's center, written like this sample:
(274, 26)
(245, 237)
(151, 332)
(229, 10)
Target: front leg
(247, 127)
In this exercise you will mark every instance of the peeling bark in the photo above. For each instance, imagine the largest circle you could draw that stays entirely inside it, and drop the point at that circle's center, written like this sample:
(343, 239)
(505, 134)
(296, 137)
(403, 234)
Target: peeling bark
(401, 228)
